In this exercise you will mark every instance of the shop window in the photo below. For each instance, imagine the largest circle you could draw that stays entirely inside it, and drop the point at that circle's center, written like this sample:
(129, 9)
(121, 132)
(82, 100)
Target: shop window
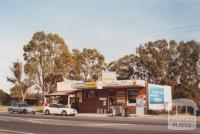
(132, 95)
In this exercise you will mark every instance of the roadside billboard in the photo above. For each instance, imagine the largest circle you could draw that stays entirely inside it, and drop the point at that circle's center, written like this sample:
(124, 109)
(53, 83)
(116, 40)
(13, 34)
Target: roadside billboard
(159, 97)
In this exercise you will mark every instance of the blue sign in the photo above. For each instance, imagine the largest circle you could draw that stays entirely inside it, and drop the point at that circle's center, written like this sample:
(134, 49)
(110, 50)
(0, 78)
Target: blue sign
(156, 95)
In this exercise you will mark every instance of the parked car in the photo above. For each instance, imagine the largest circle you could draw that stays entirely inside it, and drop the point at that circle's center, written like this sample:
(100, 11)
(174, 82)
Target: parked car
(21, 108)
(59, 109)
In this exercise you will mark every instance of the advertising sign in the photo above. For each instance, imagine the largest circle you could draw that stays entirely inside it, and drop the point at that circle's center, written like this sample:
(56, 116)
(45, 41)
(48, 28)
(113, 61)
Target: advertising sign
(99, 85)
(156, 95)
(63, 86)
(119, 83)
(90, 84)
(108, 76)
(140, 102)
(139, 83)
(78, 84)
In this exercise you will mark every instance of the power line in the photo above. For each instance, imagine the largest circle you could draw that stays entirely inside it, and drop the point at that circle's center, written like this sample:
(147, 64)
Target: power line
(185, 28)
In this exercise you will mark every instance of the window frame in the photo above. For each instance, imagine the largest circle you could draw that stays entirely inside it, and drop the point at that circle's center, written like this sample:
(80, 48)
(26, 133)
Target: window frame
(131, 104)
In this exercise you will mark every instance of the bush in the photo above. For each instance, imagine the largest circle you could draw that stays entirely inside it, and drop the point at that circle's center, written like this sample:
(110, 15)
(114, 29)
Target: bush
(153, 112)
(5, 98)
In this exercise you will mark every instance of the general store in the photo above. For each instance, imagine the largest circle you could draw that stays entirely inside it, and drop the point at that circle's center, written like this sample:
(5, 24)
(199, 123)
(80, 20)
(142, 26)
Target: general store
(108, 93)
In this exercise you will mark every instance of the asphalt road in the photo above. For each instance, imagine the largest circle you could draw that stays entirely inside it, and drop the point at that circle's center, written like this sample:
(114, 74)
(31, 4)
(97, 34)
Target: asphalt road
(41, 124)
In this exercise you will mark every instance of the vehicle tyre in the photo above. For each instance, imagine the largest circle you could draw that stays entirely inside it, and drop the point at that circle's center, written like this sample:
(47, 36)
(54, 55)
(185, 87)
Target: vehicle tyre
(47, 112)
(24, 111)
(64, 113)
(11, 111)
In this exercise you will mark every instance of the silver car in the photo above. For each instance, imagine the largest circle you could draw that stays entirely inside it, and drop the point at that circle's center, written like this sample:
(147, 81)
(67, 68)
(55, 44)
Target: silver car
(21, 108)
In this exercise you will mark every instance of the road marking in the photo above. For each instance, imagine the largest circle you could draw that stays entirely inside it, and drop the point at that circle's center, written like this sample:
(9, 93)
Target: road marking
(12, 131)
(75, 124)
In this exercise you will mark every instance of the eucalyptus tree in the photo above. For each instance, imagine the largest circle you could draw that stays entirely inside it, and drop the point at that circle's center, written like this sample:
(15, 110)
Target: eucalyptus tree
(48, 60)
(20, 80)
(87, 64)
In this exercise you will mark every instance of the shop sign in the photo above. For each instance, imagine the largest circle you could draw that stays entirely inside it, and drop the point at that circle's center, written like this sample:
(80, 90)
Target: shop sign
(109, 76)
(99, 85)
(78, 85)
(63, 86)
(120, 93)
(90, 84)
(139, 83)
(125, 82)
(120, 99)
(103, 98)
(119, 83)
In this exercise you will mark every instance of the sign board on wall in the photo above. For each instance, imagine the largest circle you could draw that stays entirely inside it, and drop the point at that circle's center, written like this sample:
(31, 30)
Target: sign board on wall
(108, 76)
(99, 85)
(159, 96)
(90, 84)
(78, 84)
(141, 83)
(119, 83)
(63, 86)
(103, 98)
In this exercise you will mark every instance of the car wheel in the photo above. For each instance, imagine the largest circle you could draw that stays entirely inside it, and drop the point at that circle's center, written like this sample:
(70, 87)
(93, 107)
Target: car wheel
(11, 111)
(47, 112)
(24, 111)
(64, 113)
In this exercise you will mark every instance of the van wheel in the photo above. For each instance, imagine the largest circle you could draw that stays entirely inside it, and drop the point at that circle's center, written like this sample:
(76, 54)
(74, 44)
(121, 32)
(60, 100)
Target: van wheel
(64, 113)
(24, 111)
(47, 112)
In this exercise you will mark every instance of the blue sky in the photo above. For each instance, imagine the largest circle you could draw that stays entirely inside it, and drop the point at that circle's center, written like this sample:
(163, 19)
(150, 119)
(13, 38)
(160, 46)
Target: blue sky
(97, 24)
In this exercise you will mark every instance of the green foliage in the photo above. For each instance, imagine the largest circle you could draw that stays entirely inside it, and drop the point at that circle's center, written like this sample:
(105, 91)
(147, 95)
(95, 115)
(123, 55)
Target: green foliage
(86, 64)
(5, 98)
(20, 79)
(162, 62)
(47, 60)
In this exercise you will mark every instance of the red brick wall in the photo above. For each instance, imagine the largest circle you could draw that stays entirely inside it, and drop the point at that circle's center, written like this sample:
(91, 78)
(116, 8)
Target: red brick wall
(90, 105)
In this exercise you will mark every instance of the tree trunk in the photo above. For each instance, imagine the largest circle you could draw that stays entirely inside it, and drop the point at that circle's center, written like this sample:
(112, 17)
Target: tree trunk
(23, 98)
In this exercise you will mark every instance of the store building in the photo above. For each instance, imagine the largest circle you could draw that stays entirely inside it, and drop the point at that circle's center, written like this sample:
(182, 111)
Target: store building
(108, 93)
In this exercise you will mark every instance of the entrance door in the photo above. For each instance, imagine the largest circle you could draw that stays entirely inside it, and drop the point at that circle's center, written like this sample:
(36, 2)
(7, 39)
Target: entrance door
(75, 103)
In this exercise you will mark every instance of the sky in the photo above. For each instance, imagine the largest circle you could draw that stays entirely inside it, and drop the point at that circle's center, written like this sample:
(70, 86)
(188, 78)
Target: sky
(114, 27)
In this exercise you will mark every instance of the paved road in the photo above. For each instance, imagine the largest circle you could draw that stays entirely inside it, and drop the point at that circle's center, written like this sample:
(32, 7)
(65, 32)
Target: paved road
(40, 124)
